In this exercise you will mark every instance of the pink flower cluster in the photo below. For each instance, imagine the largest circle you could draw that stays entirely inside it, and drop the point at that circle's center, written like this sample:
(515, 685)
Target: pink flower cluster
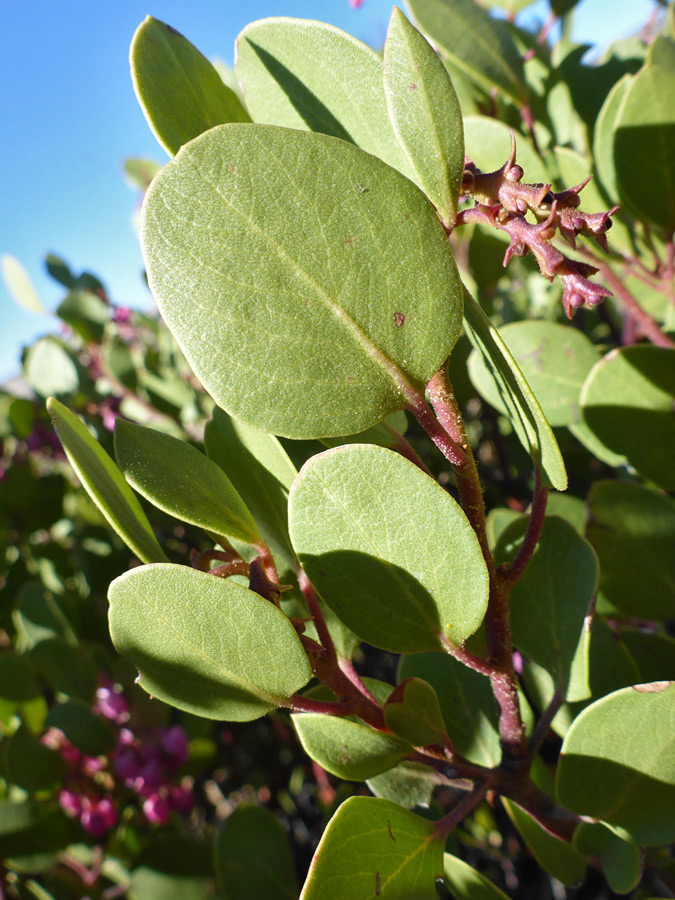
(146, 763)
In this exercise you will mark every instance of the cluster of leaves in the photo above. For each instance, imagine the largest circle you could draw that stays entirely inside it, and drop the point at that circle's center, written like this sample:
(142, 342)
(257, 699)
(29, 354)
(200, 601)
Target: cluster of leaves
(315, 246)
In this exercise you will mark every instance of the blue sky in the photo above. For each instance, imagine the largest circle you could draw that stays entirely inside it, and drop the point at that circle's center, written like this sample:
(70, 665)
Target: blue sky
(70, 118)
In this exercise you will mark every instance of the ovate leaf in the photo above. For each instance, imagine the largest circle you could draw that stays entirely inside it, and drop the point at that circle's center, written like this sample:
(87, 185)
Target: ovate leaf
(400, 574)
(425, 114)
(509, 384)
(316, 287)
(105, 484)
(180, 92)
(19, 284)
(205, 644)
(476, 42)
(627, 403)
(617, 762)
(177, 478)
(466, 883)
(348, 749)
(311, 76)
(50, 369)
(632, 530)
(412, 711)
(253, 857)
(621, 860)
(374, 848)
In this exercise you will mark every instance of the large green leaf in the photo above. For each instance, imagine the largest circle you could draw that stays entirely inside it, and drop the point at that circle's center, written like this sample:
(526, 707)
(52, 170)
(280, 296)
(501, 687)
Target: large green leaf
(261, 472)
(311, 76)
(465, 883)
(177, 478)
(206, 644)
(644, 147)
(467, 703)
(105, 484)
(555, 360)
(316, 287)
(633, 532)
(617, 762)
(627, 403)
(348, 749)
(425, 114)
(179, 90)
(50, 369)
(253, 857)
(475, 41)
(522, 407)
(551, 599)
(20, 285)
(603, 137)
(373, 848)
(388, 549)
(409, 784)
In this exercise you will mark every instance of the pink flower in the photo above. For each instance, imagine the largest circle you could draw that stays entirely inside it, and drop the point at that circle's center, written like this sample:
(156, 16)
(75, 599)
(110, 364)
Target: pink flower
(356, 4)
(98, 816)
(175, 745)
(157, 809)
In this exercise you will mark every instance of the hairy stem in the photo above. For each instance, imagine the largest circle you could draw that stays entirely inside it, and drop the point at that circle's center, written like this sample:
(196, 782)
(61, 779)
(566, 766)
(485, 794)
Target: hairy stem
(533, 533)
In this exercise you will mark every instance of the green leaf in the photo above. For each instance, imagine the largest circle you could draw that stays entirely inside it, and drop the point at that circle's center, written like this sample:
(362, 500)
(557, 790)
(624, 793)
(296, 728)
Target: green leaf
(373, 848)
(627, 403)
(90, 733)
(205, 644)
(18, 678)
(425, 114)
(174, 866)
(633, 532)
(253, 857)
(179, 91)
(654, 654)
(177, 478)
(409, 784)
(317, 292)
(522, 406)
(31, 765)
(644, 147)
(603, 139)
(50, 369)
(465, 883)
(67, 669)
(474, 41)
(467, 703)
(550, 601)
(555, 360)
(621, 860)
(60, 271)
(260, 471)
(105, 484)
(617, 763)
(488, 144)
(413, 713)
(401, 574)
(140, 172)
(348, 749)
(86, 313)
(311, 76)
(19, 284)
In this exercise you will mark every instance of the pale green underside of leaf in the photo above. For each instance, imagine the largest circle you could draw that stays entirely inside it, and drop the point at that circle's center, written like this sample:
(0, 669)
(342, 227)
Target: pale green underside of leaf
(466, 883)
(617, 762)
(105, 484)
(474, 41)
(603, 136)
(205, 644)
(522, 407)
(425, 114)
(350, 750)
(388, 549)
(19, 284)
(180, 92)
(553, 854)
(177, 478)
(373, 848)
(50, 369)
(308, 75)
(310, 286)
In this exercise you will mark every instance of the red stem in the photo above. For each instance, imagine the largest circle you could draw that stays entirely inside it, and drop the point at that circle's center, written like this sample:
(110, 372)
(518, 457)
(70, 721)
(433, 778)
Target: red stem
(316, 613)
(466, 805)
(533, 533)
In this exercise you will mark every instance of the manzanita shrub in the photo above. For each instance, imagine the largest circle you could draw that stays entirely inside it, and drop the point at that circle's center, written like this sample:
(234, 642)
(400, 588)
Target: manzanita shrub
(431, 496)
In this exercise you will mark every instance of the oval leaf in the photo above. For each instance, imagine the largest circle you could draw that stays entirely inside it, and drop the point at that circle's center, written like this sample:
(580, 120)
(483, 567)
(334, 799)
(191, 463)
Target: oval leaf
(413, 712)
(401, 575)
(19, 284)
(314, 77)
(177, 478)
(617, 762)
(374, 848)
(321, 278)
(204, 644)
(348, 749)
(627, 403)
(180, 92)
(523, 409)
(50, 369)
(425, 114)
(105, 484)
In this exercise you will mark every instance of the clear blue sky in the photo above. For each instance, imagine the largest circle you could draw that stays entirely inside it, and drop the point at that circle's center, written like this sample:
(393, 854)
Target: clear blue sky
(69, 119)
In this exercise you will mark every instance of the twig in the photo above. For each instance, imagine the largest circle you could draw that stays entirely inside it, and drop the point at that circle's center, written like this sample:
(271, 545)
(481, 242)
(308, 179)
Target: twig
(533, 532)
(462, 809)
